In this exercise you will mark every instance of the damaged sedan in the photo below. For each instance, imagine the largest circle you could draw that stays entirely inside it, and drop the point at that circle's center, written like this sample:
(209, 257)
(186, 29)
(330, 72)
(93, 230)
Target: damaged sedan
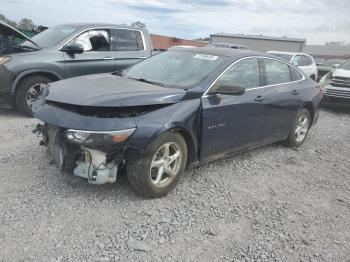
(173, 111)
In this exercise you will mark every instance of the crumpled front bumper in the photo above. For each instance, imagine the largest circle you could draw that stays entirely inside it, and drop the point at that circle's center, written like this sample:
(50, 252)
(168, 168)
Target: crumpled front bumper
(98, 166)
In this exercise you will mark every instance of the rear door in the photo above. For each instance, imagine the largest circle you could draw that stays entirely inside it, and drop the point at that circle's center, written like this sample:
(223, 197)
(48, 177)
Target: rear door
(282, 98)
(98, 56)
(232, 122)
(129, 46)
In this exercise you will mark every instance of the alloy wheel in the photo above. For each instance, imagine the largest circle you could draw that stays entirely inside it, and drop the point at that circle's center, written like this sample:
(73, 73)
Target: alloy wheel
(165, 164)
(301, 128)
(33, 93)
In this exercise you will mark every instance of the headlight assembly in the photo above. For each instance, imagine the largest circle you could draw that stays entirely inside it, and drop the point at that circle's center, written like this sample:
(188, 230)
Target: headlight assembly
(4, 59)
(98, 137)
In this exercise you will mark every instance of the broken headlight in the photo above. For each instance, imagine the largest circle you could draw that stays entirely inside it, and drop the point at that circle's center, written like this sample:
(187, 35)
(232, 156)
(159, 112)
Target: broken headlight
(98, 137)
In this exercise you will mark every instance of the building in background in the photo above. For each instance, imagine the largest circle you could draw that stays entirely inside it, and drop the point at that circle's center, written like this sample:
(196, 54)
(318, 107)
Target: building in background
(260, 43)
(165, 42)
(328, 51)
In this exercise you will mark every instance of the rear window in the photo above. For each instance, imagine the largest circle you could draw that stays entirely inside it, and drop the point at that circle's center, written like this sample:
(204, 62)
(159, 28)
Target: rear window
(295, 74)
(276, 72)
(128, 40)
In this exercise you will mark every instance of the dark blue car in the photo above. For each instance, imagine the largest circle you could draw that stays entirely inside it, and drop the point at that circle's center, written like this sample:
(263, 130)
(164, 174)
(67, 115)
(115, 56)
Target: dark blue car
(172, 111)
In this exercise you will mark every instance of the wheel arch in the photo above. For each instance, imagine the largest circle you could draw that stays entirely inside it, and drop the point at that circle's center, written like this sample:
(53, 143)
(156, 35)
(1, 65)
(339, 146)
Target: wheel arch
(190, 142)
(311, 110)
(192, 145)
(34, 72)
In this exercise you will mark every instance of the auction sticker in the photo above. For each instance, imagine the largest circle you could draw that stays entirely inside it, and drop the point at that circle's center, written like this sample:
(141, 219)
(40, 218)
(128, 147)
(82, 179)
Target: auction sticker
(206, 57)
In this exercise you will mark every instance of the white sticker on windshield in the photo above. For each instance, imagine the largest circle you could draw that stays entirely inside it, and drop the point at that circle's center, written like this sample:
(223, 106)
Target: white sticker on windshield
(206, 57)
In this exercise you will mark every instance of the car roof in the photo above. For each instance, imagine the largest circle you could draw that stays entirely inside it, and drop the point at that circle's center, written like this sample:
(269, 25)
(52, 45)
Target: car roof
(218, 51)
(287, 53)
(92, 25)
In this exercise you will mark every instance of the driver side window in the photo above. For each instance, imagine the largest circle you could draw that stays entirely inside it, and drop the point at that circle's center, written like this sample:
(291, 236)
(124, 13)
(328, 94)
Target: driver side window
(94, 40)
(244, 73)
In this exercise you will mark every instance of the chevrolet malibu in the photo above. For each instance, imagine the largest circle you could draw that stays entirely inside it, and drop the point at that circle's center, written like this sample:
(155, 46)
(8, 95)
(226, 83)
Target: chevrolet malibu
(173, 111)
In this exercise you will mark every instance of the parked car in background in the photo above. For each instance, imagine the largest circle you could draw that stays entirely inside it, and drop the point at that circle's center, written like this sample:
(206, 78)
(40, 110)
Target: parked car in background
(225, 45)
(327, 66)
(319, 61)
(174, 110)
(66, 51)
(304, 61)
(336, 85)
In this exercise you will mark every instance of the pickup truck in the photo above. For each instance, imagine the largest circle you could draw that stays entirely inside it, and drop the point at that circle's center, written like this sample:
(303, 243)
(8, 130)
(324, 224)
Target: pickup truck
(64, 51)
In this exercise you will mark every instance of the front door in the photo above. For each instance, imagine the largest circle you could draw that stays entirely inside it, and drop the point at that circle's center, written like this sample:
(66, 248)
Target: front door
(97, 57)
(233, 122)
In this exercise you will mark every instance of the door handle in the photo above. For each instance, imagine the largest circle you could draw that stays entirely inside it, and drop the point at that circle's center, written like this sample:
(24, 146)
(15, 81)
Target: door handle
(259, 98)
(295, 92)
(108, 58)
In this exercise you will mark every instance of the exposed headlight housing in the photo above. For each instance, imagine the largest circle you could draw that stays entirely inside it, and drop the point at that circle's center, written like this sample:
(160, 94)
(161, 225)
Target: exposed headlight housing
(4, 59)
(98, 137)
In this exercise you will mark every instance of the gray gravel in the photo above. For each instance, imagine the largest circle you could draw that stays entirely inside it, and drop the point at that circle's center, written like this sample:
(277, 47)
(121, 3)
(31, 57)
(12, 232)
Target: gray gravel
(270, 204)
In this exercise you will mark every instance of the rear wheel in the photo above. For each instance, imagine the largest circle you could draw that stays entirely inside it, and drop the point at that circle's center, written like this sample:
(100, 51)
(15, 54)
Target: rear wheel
(29, 90)
(161, 168)
(300, 129)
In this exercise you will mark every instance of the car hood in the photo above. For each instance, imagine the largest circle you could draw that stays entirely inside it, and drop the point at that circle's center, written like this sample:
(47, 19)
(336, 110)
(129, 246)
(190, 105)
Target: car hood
(341, 72)
(108, 90)
(7, 30)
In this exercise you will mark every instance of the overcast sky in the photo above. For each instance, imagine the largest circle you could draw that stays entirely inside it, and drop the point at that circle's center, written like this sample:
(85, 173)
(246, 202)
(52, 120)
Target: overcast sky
(318, 21)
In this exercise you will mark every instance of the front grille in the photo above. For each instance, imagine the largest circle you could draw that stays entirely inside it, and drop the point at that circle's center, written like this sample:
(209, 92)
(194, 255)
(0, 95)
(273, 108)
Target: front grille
(340, 81)
(339, 92)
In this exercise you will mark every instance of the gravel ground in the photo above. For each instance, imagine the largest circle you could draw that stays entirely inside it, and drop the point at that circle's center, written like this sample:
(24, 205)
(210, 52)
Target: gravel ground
(270, 204)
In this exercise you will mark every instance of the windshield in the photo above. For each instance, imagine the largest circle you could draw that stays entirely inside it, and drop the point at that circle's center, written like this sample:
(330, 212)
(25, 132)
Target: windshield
(283, 56)
(346, 65)
(330, 63)
(51, 36)
(175, 68)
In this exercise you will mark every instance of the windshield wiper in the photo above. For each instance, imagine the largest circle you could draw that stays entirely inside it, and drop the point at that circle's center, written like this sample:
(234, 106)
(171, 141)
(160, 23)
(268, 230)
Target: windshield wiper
(147, 81)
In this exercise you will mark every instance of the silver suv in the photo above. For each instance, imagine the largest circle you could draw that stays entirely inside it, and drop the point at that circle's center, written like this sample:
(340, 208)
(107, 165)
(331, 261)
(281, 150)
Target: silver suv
(64, 51)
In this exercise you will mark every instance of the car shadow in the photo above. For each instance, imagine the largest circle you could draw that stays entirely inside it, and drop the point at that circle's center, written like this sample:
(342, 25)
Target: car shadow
(337, 109)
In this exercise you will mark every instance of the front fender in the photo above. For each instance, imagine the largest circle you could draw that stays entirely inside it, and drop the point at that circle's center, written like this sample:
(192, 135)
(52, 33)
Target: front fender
(183, 117)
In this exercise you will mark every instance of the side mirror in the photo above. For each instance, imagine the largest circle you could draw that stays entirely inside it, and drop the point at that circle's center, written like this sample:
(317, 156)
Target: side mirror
(295, 63)
(234, 90)
(73, 48)
(336, 65)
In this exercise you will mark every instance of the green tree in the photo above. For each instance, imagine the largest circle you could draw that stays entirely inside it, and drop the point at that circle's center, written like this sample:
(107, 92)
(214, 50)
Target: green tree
(26, 24)
(10, 22)
(138, 24)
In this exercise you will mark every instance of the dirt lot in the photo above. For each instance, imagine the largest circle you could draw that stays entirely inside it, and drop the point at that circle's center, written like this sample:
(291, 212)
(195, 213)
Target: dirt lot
(271, 204)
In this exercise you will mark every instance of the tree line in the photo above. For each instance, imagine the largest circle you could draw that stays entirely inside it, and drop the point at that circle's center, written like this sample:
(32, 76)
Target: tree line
(27, 24)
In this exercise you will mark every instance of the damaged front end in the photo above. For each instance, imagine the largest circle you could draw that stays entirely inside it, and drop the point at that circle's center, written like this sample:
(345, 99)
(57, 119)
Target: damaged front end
(90, 155)
(99, 127)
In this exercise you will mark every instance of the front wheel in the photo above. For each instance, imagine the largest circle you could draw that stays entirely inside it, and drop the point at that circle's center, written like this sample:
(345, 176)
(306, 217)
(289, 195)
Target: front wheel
(300, 129)
(161, 168)
(29, 90)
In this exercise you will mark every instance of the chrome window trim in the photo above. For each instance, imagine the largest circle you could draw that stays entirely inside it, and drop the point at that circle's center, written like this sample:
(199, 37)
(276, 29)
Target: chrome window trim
(259, 87)
(111, 28)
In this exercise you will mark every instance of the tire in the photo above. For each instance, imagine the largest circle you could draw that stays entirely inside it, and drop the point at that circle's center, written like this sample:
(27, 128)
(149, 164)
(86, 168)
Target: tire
(313, 77)
(143, 177)
(296, 138)
(22, 92)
